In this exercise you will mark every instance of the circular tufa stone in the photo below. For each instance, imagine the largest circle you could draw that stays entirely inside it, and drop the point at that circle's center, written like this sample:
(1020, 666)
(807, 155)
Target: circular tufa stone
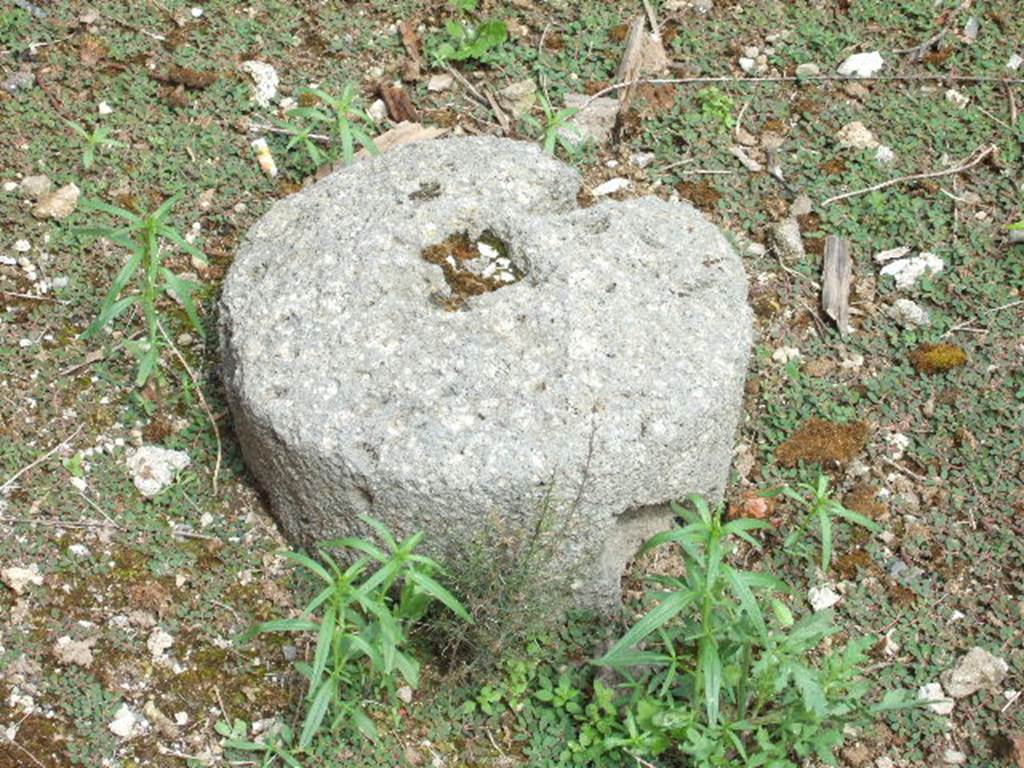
(441, 338)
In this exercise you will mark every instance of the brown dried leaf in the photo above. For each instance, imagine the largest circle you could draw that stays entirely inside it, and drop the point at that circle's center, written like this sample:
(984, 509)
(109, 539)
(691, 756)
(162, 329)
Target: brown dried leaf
(400, 106)
(411, 41)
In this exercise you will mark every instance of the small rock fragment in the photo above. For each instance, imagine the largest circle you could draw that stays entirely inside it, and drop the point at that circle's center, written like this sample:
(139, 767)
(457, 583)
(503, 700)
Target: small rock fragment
(784, 355)
(884, 154)
(954, 757)
(519, 98)
(59, 204)
(957, 98)
(940, 703)
(822, 598)
(862, 65)
(154, 468)
(594, 121)
(158, 642)
(907, 272)
(1014, 62)
(18, 578)
(909, 314)
(971, 29)
(893, 253)
(378, 111)
(104, 109)
(405, 694)
(124, 723)
(265, 81)
(19, 80)
(611, 186)
(747, 64)
(977, 670)
(440, 83)
(35, 187)
(78, 652)
(787, 240)
(808, 69)
(856, 135)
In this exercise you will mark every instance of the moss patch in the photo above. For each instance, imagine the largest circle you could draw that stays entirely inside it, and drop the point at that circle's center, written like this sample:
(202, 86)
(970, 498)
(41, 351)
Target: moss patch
(823, 442)
(937, 358)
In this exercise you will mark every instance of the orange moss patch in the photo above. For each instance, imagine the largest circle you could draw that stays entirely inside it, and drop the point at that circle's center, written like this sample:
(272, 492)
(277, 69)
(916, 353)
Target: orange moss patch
(820, 441)
(852, 563)
(863, 498)
(937, 358)
(701, 193)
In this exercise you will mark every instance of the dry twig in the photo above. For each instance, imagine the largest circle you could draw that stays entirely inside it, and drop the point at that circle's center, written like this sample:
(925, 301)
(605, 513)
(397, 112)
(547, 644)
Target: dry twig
(980, 154)
(28, 467)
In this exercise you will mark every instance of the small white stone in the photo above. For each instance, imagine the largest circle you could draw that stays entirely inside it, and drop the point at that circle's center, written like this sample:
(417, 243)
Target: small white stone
(405, 694)
(908, 271)
(440, 83)
(1014, 62)
(79, 550)
(19, 577)
(899, 443)
(954, 757)
(822, 598)
(154, 468)
(893, 253)
(784, 355)
(124, 722)
(10, 186)
(264, 78)
(197, 12)
(158, 642)
(957, 99)
(22, 246)
(940, 703)
(862, 65)
(856, 135)
(808, 69)
(884, 154)
(378, 111)
(747, 64)
(181, 718)
(884, 762)
(909, 314)
(611, 186)
(956, 616)
(642, 159)
(104, 109)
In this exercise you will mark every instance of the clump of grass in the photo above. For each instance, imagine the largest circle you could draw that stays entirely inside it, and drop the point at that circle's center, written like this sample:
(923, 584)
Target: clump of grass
(341, 115)
(931, 359)
(99, 137)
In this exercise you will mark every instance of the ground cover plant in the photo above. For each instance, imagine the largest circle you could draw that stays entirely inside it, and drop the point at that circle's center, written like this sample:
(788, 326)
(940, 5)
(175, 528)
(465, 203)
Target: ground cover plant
(119, 613)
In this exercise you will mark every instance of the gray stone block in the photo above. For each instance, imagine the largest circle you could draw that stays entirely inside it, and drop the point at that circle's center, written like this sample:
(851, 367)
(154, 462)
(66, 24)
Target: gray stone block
(598, 375)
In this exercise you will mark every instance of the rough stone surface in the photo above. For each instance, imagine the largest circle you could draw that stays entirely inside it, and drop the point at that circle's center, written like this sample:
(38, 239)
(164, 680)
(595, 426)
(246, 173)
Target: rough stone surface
(154, 468)
(603, 383)
(977, 670)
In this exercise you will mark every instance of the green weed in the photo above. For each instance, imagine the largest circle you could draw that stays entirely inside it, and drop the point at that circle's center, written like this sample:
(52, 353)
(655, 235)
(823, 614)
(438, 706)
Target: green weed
(820, 507)
(553, 129)
(99, 137)
(144, 237)
(275, 745)
(730, 685)
(464, 41)
(345, 120)
(362, 629)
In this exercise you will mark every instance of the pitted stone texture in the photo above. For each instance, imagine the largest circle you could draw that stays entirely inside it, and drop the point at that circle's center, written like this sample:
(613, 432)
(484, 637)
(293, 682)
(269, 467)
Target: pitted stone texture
(604, 383)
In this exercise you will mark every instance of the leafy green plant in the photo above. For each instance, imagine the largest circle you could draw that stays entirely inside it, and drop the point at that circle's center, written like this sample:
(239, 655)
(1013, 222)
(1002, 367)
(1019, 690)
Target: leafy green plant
(273, 746)
(724, 683)
(99, 137)
(144, 237)
(363, 614)
(346, 121)
(820, 507)
(464, 41)
(553, 130)
(716, 106)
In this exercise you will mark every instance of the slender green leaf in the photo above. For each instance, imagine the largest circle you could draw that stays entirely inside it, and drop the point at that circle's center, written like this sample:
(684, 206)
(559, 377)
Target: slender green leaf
(656, 618)
(317, 710)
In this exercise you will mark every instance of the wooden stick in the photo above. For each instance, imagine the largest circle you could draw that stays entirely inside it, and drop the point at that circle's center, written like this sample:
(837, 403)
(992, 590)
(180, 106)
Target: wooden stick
(976, 157)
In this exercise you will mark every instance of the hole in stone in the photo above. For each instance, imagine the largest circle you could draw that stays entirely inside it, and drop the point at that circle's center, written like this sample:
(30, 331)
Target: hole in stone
(472, 266)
